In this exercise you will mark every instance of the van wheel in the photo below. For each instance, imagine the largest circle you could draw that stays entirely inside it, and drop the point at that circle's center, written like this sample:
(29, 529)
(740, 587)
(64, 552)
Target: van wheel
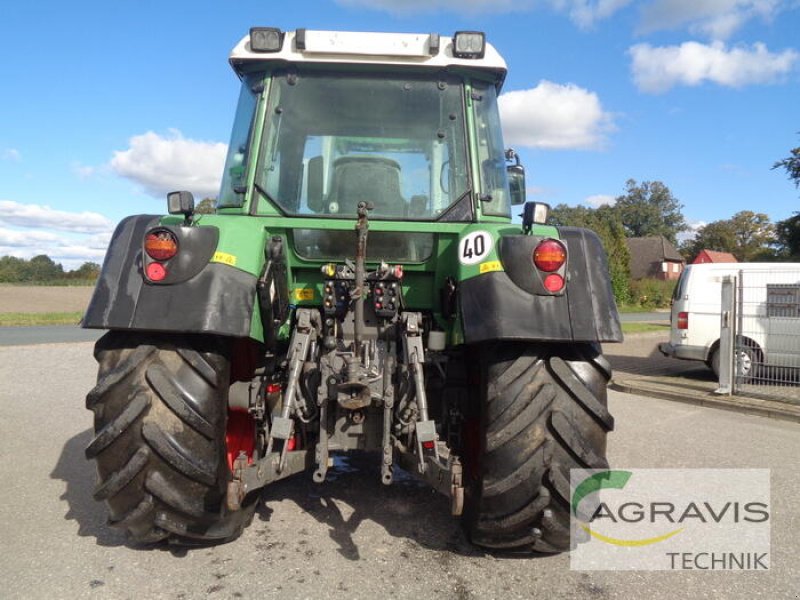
(749, 356)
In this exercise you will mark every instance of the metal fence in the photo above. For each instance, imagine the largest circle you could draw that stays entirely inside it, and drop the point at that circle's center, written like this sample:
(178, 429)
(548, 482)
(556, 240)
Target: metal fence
(764, 320)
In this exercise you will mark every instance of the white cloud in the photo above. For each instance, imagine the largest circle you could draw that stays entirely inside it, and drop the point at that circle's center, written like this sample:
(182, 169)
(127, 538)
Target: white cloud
(25, 239)
(554, 116)
(11, 154)
(657, 69)
(405, 7)
(82, 171)
(691, 233)
(599, 200)
(717, 19)
(69, 238)
(42, 216)
(69, 250)
(161, 164)
(585, 13)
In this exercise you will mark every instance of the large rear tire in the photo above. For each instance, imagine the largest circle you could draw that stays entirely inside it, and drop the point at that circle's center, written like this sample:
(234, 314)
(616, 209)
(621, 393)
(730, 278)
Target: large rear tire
(543, 412)
(160, 413)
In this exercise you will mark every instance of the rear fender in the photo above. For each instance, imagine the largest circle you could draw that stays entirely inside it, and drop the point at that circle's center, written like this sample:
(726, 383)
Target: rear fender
(198, 296)
(511, 304)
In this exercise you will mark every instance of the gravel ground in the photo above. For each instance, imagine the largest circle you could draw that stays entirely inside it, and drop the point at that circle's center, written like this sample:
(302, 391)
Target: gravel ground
(44, 299)
(351, 537)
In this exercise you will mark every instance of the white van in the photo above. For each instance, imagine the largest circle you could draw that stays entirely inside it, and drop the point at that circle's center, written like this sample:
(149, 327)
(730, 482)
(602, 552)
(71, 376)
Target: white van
(770, 297)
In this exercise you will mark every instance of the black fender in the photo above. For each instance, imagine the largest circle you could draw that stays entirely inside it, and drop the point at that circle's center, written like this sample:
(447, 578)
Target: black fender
(513, 305)
(198, 296)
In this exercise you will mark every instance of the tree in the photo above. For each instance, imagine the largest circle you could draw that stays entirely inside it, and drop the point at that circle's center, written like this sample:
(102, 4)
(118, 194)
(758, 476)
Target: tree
(747, 235)
(787, 233)
(43, 268)
(650, 209)
(88, 271)
(11, 269)
(792, 165)
(606, 224)
(207, 206)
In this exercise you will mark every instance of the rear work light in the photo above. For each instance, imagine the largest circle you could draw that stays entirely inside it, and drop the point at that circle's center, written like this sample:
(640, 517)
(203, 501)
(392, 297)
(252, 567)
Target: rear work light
(161, 244)
(469, 44)
(549, 256)
(266, 39)
(683, 320)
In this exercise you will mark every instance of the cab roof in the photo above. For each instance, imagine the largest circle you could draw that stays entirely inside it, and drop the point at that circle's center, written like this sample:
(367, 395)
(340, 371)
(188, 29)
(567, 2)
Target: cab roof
(351, 47)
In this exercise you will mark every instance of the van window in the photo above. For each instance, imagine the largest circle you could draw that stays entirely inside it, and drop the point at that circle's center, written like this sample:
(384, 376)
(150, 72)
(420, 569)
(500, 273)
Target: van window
(680, 288)
(783, 300)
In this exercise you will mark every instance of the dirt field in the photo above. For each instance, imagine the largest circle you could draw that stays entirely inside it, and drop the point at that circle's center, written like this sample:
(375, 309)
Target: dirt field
(43, 299)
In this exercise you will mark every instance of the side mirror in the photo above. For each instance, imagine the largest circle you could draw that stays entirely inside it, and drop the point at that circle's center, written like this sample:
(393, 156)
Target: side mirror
(534, 212)
(516, 183)
(180, 203)
(314, 194)
(516, 177)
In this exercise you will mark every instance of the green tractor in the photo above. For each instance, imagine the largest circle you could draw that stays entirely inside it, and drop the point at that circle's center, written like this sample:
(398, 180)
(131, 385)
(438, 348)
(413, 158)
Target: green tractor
(360, 287)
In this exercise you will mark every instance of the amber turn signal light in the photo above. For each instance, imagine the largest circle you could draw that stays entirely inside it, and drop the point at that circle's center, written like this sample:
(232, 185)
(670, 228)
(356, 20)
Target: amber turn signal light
(161, 244)
(549, 256)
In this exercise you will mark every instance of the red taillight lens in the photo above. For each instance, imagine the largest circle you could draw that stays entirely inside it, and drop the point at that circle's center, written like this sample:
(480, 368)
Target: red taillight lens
(161, 245)
(683, 320)
(549, 256)
(553, 282)
(156, 272)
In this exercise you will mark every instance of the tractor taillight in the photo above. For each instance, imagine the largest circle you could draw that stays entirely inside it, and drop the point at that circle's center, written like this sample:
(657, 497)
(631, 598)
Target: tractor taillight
(155, 272)
(549, 256)
(553, 282)
(161, 244)
(683, 320)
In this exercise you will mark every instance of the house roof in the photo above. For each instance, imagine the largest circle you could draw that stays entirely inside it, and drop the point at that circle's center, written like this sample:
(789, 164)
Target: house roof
(715, 257)
(647, 254)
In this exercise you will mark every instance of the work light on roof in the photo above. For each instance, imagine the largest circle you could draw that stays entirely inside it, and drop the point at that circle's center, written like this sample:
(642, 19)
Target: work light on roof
(469, 44)
(266, 39)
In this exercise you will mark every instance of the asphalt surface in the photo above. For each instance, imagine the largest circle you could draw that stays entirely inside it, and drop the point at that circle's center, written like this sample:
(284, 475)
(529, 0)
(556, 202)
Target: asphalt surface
(640, 368)
(16, 336)
(351, 537)
(47, 334)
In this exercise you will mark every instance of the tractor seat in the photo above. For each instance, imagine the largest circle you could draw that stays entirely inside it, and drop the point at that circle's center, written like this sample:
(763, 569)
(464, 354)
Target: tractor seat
(367, 179)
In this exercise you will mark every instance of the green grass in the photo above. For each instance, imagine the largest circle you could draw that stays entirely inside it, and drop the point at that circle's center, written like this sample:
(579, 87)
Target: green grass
(644, 327)
(28, 319)
(635, 308)
(51, 283)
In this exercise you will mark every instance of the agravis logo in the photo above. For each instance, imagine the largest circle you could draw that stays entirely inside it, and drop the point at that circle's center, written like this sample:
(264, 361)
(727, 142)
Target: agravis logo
(671, 519)
(609, 480)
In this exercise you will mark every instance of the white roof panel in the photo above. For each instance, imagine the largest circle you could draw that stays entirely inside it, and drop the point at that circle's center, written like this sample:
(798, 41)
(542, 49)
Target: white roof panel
(351, 47)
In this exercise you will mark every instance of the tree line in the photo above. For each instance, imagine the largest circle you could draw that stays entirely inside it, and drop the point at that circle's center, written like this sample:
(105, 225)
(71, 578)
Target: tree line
(650, 209)
(43, 269)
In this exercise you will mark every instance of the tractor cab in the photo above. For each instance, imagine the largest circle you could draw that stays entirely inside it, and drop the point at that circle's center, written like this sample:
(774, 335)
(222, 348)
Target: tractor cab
(408, 123)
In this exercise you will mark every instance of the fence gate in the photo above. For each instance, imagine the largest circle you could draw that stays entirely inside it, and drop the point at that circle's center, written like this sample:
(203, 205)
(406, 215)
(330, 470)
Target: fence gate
(765, 334)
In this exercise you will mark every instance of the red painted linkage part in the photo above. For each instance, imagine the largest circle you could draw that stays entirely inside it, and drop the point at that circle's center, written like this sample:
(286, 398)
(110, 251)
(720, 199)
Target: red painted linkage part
(240, 436)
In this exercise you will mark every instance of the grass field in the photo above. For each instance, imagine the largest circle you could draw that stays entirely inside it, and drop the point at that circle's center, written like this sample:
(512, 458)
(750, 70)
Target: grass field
(17, 319)
(22, 305)
(44, 299)
(26, 305)
(635, 327)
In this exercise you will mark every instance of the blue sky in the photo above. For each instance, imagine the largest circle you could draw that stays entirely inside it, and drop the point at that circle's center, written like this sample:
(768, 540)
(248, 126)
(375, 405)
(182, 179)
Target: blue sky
(106, 106)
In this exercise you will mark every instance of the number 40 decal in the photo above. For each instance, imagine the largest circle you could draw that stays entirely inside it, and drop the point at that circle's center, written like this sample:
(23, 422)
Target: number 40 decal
(475, 247)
